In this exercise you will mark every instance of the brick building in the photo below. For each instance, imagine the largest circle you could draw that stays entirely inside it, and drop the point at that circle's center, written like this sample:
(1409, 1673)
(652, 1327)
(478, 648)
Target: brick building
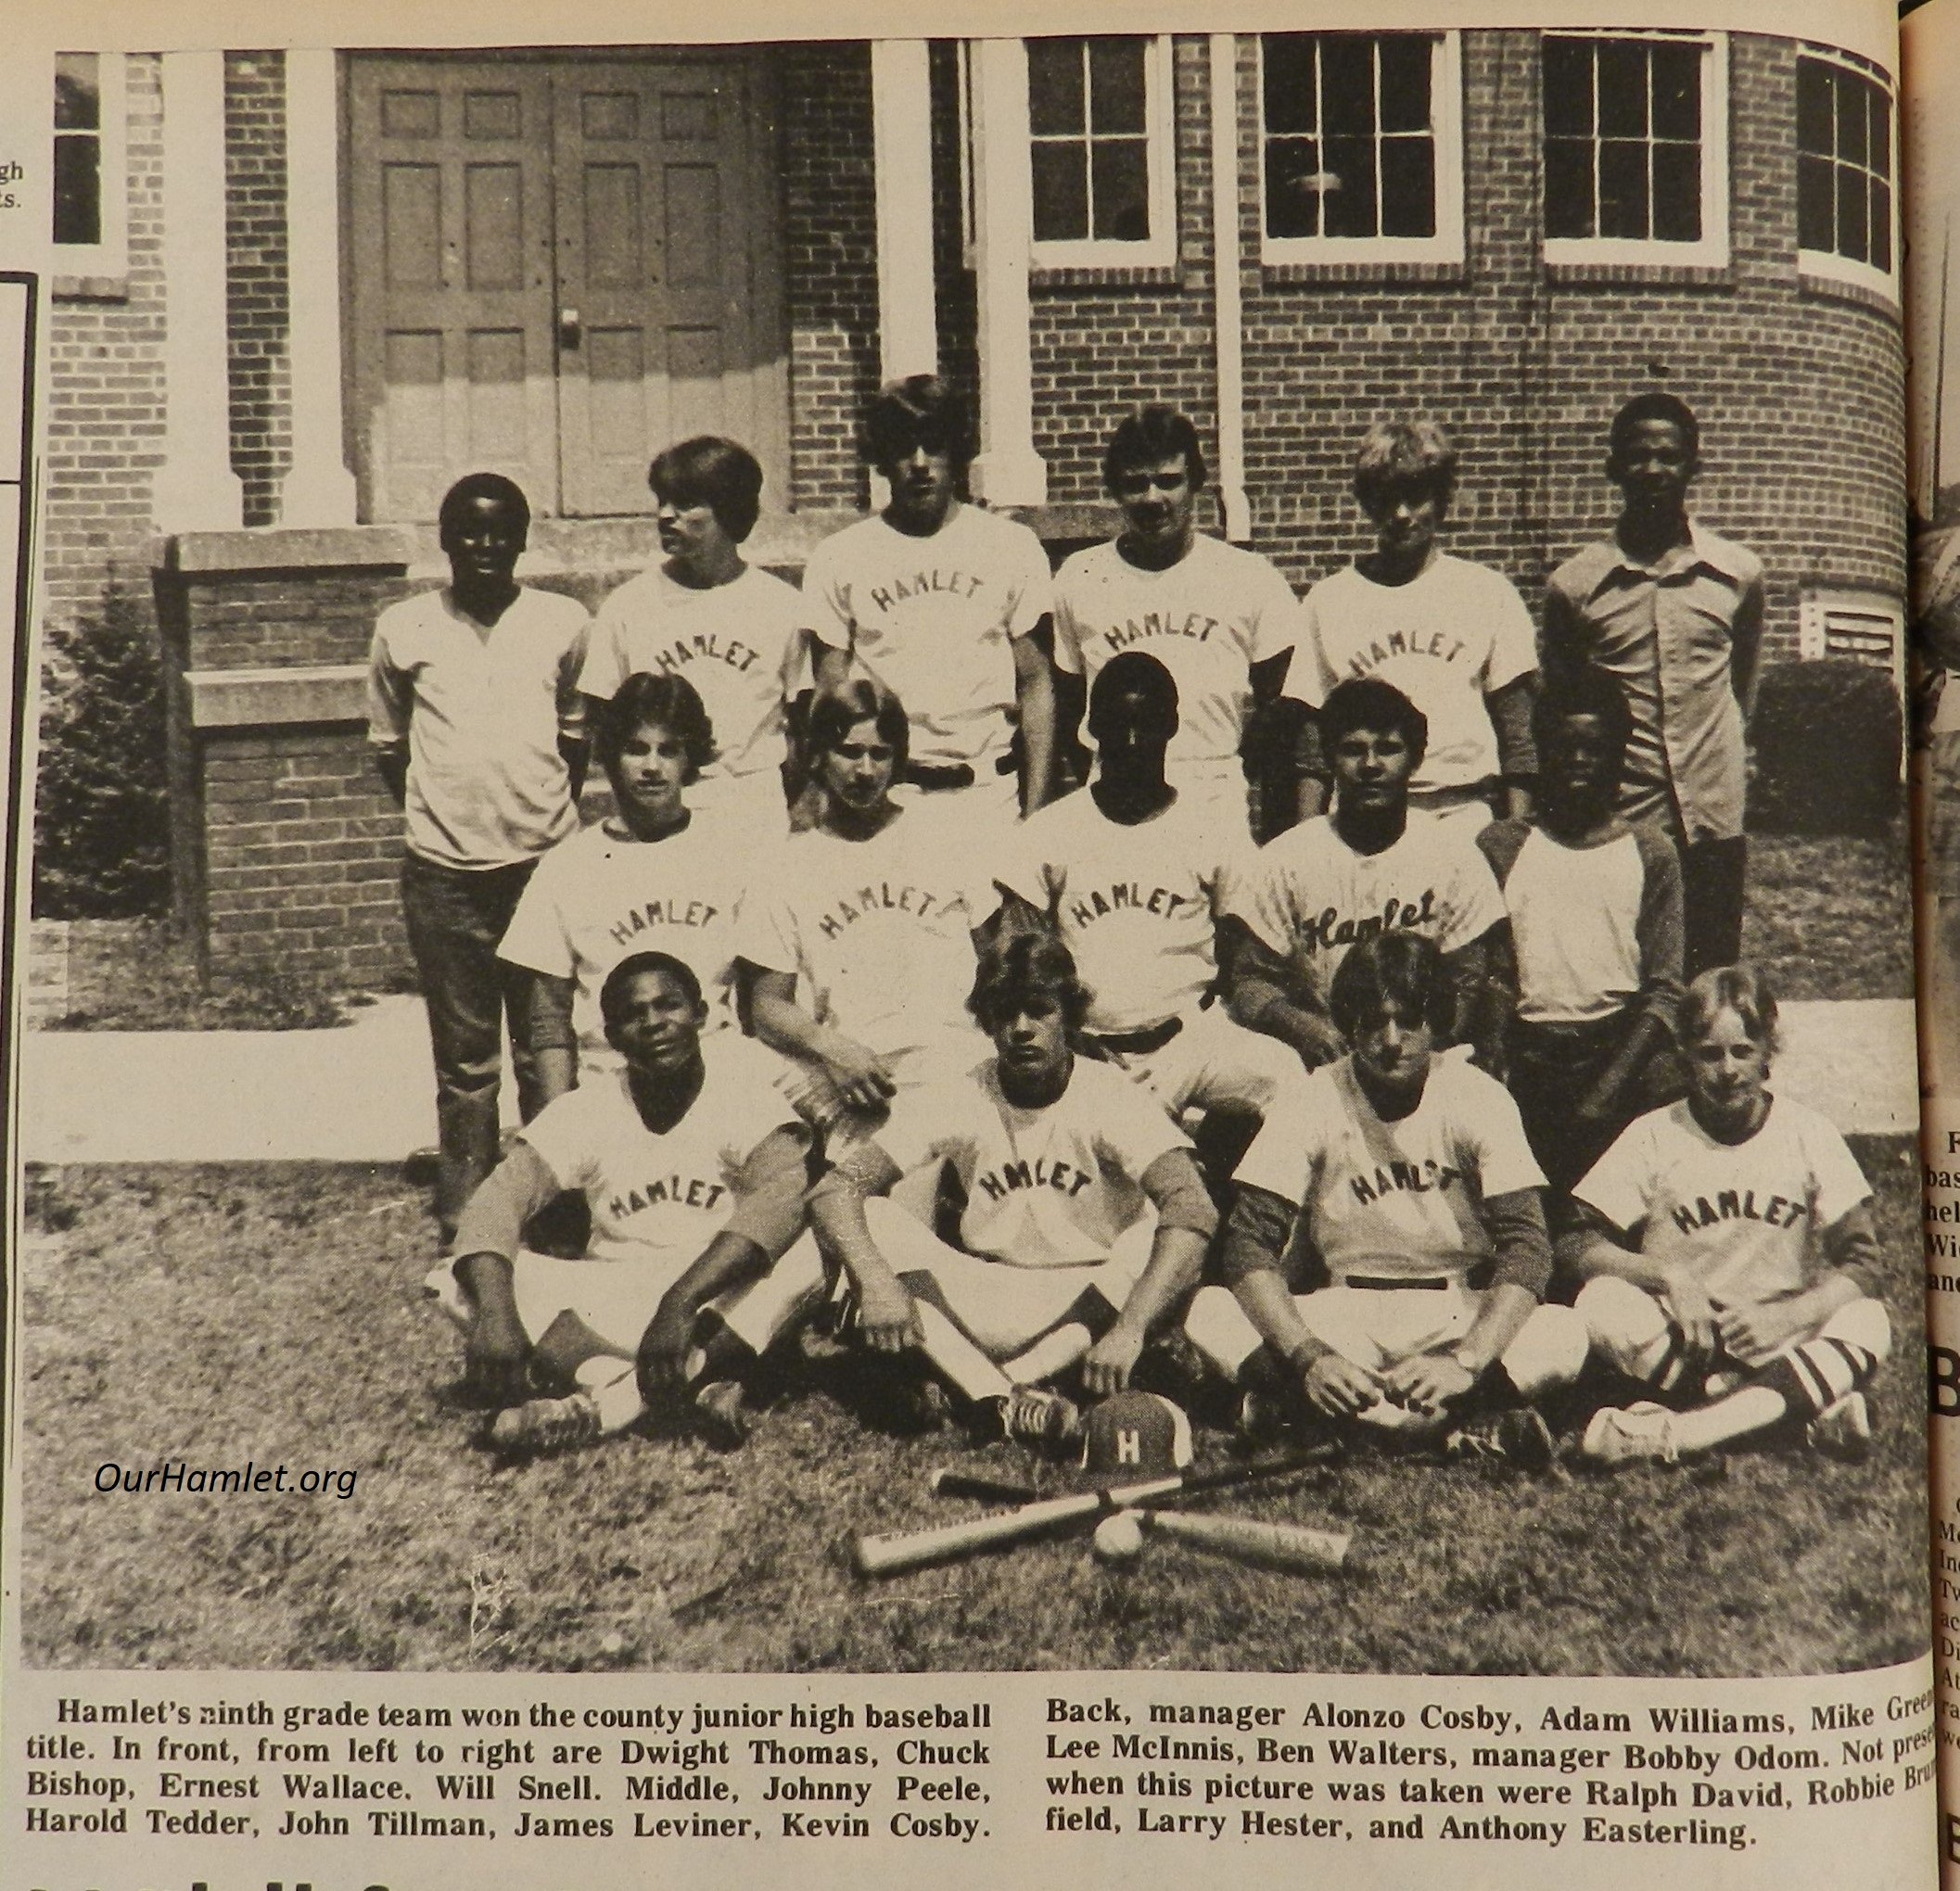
(305, 290)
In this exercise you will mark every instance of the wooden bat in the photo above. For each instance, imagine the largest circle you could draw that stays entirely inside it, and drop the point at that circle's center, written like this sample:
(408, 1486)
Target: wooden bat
(890, 1555)
(951, 1483)
(1289, 1546)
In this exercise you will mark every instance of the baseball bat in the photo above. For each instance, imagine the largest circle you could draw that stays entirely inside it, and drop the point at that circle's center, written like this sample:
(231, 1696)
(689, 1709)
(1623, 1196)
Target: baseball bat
(890, 1555)
(951, 1483)
(1289, 1546)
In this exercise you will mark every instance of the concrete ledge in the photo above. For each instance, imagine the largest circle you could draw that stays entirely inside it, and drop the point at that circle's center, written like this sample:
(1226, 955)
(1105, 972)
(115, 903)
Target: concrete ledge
(273, 698)
(272, 548)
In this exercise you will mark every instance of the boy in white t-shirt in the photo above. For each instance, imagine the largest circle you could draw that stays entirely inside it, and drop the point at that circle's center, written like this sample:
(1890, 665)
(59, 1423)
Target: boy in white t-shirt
(1407, 1173)
(732, 631)
(1221, 619)
(654, 875)
(1084, 1220)
(1373, 865)
(1454, 637)
(695, 1178)
(945, 605)
(1728, 1254)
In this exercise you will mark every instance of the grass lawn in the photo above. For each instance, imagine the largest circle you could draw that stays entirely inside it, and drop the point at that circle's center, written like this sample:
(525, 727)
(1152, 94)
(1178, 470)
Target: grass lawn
(1831, 918)
(273, 1314)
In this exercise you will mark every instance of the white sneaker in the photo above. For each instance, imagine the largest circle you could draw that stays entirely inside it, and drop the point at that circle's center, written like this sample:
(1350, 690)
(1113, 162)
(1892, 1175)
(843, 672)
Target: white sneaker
(1619, 1436)
(1036, 1416)
(1843, 1430)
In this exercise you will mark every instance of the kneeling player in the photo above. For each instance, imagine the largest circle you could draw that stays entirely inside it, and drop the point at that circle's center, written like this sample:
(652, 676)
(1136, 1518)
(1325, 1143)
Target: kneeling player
(1410, 1171)
(1058, 1157)
(691, 1268)
(1728, 1250)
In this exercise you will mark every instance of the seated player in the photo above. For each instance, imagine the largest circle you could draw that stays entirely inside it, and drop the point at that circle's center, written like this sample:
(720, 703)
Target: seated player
(1408, 1173)
(695, 1184)
(731, 629)
(1060, 1159)
(649, 877)
(1596, 939)
(1130, 875)
(1455, 637)
(1728, 1255)
(1373, 867)
(1221, 618)
(857, 933)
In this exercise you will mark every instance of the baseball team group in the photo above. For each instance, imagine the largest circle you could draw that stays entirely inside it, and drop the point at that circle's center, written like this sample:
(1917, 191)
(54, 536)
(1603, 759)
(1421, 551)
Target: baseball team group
(929, 979)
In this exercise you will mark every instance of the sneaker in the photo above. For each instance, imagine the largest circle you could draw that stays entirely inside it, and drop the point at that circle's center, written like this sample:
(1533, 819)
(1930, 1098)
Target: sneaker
(1262, 1420)
(719, 1415)
(1039, 1417)
(1843, 1430)
(546, 1425)
(1518, 1436)
(1619, 1437)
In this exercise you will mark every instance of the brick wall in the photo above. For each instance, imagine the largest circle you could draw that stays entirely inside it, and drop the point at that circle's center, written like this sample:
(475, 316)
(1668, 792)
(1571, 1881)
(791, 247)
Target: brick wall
(256, 305)
(830, 260)
(105, 396)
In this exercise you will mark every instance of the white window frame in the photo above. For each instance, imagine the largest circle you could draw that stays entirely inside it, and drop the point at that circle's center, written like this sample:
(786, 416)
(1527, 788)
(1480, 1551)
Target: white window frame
(1446, 92)
(108, 258)
(1711, 251)
(1160, 251)
(1827, 263)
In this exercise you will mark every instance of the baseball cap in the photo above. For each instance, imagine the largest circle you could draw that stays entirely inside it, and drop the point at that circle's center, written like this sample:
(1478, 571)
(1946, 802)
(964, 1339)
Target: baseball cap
(1135, 1435)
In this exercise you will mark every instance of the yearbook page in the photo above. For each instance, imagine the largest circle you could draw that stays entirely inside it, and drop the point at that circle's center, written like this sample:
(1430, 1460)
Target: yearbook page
(986, 954)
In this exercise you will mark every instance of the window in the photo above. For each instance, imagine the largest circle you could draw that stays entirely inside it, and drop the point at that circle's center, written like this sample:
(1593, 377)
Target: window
(1635, 156)
(1845, 211)
(90, 211)
(1869, 627)
(1361, 150)
(1099, 151)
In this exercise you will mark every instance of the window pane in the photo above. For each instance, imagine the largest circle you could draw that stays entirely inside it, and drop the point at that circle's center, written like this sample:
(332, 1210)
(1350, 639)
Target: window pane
(1054, 87)
(1816, 204)
(1623, 90)
(1115, 85)
(1881, 226)
(1854, 132)
(77, 188)
(1347, 65)
(1060, 184)
(1120, 186)
(1882, 138)
(1568, 88)
(1677, 193)
(1853, 213)
(1293, 196)
(1405, 59)
(1622, 189)
(78, 92)
(1677, 91)
(1350, 201)
(1569, 187)
(1813, 107)
(1290, 91)
(1408, 187)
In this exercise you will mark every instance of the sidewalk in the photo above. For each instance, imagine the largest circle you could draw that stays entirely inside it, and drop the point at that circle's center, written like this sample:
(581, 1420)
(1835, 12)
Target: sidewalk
(365, 1094)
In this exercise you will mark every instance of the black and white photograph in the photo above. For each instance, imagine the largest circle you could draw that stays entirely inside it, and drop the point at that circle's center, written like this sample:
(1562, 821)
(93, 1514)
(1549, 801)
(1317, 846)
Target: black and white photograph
(892, 855)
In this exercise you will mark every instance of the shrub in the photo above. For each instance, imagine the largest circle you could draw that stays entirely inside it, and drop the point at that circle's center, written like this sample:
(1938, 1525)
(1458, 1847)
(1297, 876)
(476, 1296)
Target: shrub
(1829, 737)
(102, 803)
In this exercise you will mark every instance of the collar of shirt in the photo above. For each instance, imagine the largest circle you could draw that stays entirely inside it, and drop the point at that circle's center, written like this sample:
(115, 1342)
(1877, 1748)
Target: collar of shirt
(1705, 551)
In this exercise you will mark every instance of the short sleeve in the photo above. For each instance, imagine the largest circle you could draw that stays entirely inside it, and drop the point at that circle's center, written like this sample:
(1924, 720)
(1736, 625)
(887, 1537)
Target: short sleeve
(1068, 625)
(1505, 1162)
(1032, 596)
(389, 693)
(1840, 1182)
(1622, 1184)
(1287, 1150)
(826, 602)
(1514, 645)
(1310, 675)
(1479, 901)
(536, 937)
(1132, 1127)
(1021, 865)
(1260, 896)
(571, 667)
(604, 669)
(1278, 622)
(565, 1135)
(929, 1123)
(766, 932)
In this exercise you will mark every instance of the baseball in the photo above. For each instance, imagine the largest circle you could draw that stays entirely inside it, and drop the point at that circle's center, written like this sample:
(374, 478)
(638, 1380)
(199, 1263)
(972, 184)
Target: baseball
(1118, 1540)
